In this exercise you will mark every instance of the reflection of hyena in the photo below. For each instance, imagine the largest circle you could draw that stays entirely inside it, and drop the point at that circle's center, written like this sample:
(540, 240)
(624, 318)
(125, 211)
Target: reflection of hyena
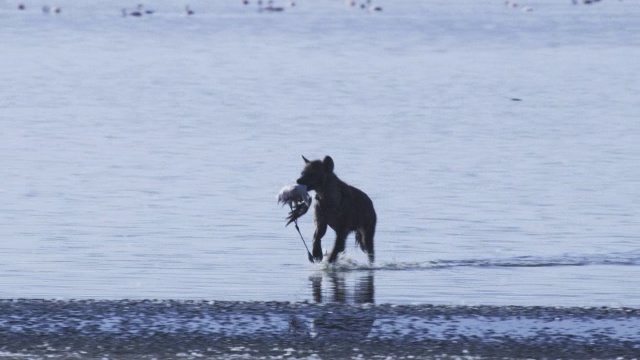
(339, 205)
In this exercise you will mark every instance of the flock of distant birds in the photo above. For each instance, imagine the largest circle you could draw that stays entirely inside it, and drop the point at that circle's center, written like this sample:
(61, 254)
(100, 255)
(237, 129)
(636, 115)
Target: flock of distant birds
(268, 6)
(46, 9)
(514, 4)
(140, 10)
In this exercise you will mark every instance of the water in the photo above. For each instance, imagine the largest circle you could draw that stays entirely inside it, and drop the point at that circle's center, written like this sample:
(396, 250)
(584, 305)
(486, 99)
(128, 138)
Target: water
(141, 157)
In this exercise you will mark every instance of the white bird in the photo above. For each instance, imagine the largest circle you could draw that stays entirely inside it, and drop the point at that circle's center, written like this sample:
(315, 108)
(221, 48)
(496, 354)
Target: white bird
(294, 193)
(298, 199)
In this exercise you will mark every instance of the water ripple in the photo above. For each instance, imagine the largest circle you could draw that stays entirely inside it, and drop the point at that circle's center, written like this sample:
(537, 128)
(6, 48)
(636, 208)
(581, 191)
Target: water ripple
(623, 259)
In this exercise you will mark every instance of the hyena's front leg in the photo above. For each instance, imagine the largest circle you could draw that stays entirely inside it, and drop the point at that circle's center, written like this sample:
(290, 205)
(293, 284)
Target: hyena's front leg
(321, 229)
(339, 246)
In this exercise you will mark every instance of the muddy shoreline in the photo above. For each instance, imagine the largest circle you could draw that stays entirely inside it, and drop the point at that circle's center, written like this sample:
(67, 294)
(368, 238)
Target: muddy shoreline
(192, 329)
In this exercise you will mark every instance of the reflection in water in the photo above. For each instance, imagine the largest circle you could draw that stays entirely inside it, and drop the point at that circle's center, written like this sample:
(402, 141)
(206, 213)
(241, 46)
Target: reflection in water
(363, 290)
(331, 325)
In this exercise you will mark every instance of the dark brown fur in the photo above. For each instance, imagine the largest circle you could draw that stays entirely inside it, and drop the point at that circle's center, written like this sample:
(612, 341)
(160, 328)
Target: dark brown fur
(341, 206)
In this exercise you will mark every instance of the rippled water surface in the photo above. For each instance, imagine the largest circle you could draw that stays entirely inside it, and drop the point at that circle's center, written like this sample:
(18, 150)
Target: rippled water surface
(141, 157)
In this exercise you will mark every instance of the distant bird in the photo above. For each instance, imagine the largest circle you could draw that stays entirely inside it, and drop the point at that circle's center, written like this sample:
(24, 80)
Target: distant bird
(57, 10)
(368, 5)
(270, 7)
(137, 12)
(245, 2)
(188, 10)
(146, 11)
(21, 6)
(46, 9)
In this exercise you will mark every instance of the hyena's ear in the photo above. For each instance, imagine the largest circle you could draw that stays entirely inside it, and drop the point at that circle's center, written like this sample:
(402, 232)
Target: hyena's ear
(306, 161)
(328, 163)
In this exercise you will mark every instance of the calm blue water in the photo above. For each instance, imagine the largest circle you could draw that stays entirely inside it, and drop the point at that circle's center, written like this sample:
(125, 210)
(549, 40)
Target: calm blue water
(141, 157)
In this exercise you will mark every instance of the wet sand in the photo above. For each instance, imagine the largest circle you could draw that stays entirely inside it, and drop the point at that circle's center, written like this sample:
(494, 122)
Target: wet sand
(194, 329)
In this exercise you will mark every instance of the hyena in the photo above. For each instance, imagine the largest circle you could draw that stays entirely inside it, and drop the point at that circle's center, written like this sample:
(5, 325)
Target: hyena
(339, 205)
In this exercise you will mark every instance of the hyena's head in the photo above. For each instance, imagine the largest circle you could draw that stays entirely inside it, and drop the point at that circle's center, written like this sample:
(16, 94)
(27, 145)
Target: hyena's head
(315, 172)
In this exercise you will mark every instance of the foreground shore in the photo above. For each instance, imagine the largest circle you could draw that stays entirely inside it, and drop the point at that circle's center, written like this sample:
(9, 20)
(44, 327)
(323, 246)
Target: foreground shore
(193, 329)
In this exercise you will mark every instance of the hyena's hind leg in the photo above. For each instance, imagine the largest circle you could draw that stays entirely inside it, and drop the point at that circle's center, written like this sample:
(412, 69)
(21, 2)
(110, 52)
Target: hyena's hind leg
(360, 240)
(364, 238)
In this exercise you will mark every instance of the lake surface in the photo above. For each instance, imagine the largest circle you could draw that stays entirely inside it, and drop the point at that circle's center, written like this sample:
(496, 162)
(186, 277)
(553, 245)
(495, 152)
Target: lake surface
(141, 157)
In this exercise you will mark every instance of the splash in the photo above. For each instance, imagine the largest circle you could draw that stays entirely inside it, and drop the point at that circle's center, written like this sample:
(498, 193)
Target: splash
(622, 259)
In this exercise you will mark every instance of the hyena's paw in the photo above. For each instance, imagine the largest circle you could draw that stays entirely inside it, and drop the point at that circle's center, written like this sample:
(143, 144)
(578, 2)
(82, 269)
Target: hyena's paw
(317, 254)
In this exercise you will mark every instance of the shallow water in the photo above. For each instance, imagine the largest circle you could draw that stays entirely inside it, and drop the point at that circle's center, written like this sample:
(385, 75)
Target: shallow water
(141, 157)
